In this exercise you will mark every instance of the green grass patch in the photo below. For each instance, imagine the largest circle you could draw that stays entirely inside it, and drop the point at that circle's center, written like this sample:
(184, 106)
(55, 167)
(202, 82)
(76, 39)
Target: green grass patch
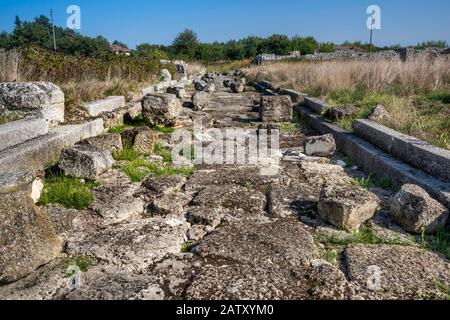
(330, 255)
(444, 289)
(187, 247)
(136, 122)
(364, 236)
(165, 130)
(69, 192)
(442, 96)
(297, 123)
(164, 152)
(119, 129)
(127, 154)
(139, 169)
(438, 243)
(372, 182)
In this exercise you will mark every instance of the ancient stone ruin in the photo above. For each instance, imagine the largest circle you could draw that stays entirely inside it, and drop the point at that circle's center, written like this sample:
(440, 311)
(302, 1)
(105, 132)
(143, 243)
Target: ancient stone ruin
(312, 227)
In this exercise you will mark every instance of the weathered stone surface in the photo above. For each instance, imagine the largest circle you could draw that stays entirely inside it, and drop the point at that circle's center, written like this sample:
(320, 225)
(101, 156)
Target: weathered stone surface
(379, 114)
(161, 109)
(170, 204)
(414, 209)
(85, 161)
(237, 87)
(135, 245)
(418, 153)
(41, 152)
(328, 282)
(114, 200)
(16, 132)
(27, 237)
(276, 109)
(316, 105)
(199, 85)
(320, 146)
(165, 75)
(346, 206)
(36, 99)
(162, 185)
(239, 200)
(210, 88)
(200, 100)
(108, 104)
(178, 91)
(142, 139)
(205, 216)
(30, 183)
(111, 142)
(406, 272)
(282, 243)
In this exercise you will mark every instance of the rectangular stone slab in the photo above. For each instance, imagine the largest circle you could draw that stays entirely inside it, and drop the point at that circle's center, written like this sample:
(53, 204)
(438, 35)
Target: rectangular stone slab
(109, 104)
(16, 132)
(418, 153)
(374, 160)
(44, 151)
(316, 105)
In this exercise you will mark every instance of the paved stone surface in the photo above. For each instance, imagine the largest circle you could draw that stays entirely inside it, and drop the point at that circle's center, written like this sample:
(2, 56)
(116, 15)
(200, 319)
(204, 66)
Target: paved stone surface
(230, 232)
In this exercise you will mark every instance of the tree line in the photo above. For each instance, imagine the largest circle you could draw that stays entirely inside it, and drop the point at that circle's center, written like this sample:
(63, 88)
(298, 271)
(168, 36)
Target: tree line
(186, 45)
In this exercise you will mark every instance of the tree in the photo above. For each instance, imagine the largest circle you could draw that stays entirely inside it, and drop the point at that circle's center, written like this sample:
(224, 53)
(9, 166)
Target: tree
(4, 40)
(432, 44)
(327, 47)
(121, 44)
(278, 44)
(306, 45)
(152, 51)
(186, 43)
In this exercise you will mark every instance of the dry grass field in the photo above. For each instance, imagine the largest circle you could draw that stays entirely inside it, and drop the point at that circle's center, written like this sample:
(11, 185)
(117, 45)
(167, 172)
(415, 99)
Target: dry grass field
(415, 93)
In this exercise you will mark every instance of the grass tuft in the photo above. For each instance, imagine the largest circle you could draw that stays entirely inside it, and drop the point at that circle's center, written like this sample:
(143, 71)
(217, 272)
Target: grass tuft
(69, 192)
(372, 182)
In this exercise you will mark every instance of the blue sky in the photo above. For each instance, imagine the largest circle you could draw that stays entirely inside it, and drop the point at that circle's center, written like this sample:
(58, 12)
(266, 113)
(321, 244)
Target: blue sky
(158, 21)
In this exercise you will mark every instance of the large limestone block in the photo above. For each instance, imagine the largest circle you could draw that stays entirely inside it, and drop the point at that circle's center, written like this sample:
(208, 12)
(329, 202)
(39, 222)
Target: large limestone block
(31, 183)
(414, 209)
(346, 206)
(320, 146)
(85, 161)
(276, 109)
(27, 237)
(32, 99)
(161, 109)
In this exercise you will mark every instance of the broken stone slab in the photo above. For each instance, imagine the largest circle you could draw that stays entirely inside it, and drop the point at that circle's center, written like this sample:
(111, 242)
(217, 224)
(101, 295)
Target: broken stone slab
(210, 88)
(123, 115)
(205, 216)
(178, 91)
(115, 199)
(146, 91)
(418, 153)
(133, 246)
(295, 95)
(163, 185)
(16, 132)
(173, 204)
(27, 237)
(30, 183)
(142, 139)
(161, 86)
(237, 87)
(397, 272)
(201, 100)
(111, 142)
(44, 151)
(276, 109)
(108, 104)
(199, 85)
(346, 206)
(85, 161)
(32, 99)
(415, 211)
(320, 146)
(379, 114)
(161, 109)
(316, 105)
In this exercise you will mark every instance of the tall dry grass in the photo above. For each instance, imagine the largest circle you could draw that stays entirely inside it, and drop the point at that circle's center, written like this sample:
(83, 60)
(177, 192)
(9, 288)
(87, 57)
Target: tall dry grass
(319, 79)
(194, 68)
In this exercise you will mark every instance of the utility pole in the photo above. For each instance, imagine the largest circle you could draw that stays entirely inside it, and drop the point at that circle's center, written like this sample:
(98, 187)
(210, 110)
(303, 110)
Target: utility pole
(371, 34)
(53, 28)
